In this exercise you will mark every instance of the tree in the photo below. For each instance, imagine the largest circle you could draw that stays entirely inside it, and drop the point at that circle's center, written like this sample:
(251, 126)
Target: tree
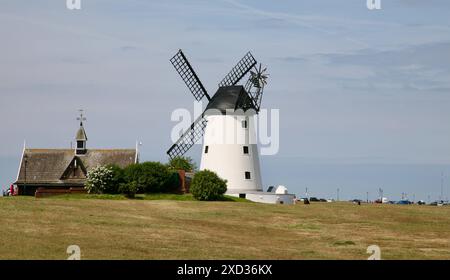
(182, 163)
(206, 185)
(99, 179)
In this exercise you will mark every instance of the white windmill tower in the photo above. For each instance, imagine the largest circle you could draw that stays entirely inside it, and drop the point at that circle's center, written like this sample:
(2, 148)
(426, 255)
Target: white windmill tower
(229, 147)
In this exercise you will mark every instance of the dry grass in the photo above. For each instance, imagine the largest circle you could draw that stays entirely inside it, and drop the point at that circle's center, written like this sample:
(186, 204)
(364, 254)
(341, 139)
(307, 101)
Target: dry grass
(163, 229)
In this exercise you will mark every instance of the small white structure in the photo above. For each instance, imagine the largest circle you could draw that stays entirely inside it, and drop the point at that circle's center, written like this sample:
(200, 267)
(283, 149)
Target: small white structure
(266, 197)
(278, 190)
(274, 195)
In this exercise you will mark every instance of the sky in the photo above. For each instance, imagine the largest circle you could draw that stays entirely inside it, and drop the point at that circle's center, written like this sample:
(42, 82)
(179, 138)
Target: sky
(363, 95)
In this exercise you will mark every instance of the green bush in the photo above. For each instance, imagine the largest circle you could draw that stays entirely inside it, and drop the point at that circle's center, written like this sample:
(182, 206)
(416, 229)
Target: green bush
(118, 178)
(173, 183)
(150, 177)
(132, 173)
(99, 179)
(206, 185)
(182, 163)
(129, 189)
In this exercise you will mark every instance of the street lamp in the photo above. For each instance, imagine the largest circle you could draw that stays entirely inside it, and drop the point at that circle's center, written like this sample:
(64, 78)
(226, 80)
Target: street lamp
(137, 158)
(25, 157)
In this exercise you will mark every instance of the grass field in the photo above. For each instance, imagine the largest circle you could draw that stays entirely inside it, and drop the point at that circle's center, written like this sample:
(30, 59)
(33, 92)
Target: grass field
(179, 228)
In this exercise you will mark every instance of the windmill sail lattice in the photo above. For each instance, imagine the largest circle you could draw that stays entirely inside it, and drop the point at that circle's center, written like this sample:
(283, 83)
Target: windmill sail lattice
(188, 138)
(239, 71)
(255, 93)
(188, 75)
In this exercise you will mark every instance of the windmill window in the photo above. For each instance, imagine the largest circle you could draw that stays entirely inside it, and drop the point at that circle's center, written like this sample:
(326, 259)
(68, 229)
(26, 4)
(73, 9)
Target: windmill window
(245, 149)
(247, 175)
(244, 124)
(206, 149)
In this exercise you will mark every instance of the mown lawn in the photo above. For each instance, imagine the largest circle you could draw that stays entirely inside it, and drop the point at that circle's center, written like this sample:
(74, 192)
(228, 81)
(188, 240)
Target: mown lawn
(177, 227)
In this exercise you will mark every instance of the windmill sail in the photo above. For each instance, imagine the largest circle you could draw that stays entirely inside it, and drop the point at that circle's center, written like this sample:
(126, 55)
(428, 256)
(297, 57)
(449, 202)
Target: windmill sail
(239, 71)
(181, 64)
(255, 85)
(188, 138)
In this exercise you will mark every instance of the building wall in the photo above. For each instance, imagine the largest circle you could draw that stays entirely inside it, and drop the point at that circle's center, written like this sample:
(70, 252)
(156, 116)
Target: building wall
(225, 138)
(27, 190)
(31, 189)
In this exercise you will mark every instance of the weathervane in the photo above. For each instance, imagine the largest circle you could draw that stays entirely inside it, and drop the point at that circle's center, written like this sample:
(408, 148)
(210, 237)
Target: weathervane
(81, 118)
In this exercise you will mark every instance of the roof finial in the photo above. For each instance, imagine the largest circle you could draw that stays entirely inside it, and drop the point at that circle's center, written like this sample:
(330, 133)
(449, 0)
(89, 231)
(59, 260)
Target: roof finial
(81, 118)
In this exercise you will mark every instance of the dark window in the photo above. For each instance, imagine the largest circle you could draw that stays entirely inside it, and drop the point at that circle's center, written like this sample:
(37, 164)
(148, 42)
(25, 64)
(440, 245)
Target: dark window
(206, 149)
(80, 144)
(245, 149)
(242, 195)
(244, 124)
(247, 175)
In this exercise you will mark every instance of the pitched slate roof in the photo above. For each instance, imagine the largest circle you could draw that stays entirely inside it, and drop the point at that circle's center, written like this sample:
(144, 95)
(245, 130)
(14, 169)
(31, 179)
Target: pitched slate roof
(47, 166)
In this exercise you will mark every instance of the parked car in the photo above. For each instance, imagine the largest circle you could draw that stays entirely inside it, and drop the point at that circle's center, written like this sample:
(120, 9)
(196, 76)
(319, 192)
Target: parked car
(382, 200)
(404, 202)
(322, 200)
(437, 203)
(314, 199)
(421, 202)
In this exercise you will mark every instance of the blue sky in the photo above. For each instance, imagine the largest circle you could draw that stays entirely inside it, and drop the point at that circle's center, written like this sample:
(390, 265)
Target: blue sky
(364, 95)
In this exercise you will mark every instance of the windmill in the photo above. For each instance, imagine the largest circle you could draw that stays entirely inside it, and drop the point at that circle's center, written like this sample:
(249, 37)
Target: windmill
(238, 161)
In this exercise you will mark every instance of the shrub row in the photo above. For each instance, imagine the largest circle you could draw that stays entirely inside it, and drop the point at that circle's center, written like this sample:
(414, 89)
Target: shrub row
(154, 177)
(147, 177)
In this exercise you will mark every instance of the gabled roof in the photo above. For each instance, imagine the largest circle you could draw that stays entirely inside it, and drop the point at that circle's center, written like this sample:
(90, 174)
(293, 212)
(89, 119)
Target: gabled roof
(75, 170)
(47, 166)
